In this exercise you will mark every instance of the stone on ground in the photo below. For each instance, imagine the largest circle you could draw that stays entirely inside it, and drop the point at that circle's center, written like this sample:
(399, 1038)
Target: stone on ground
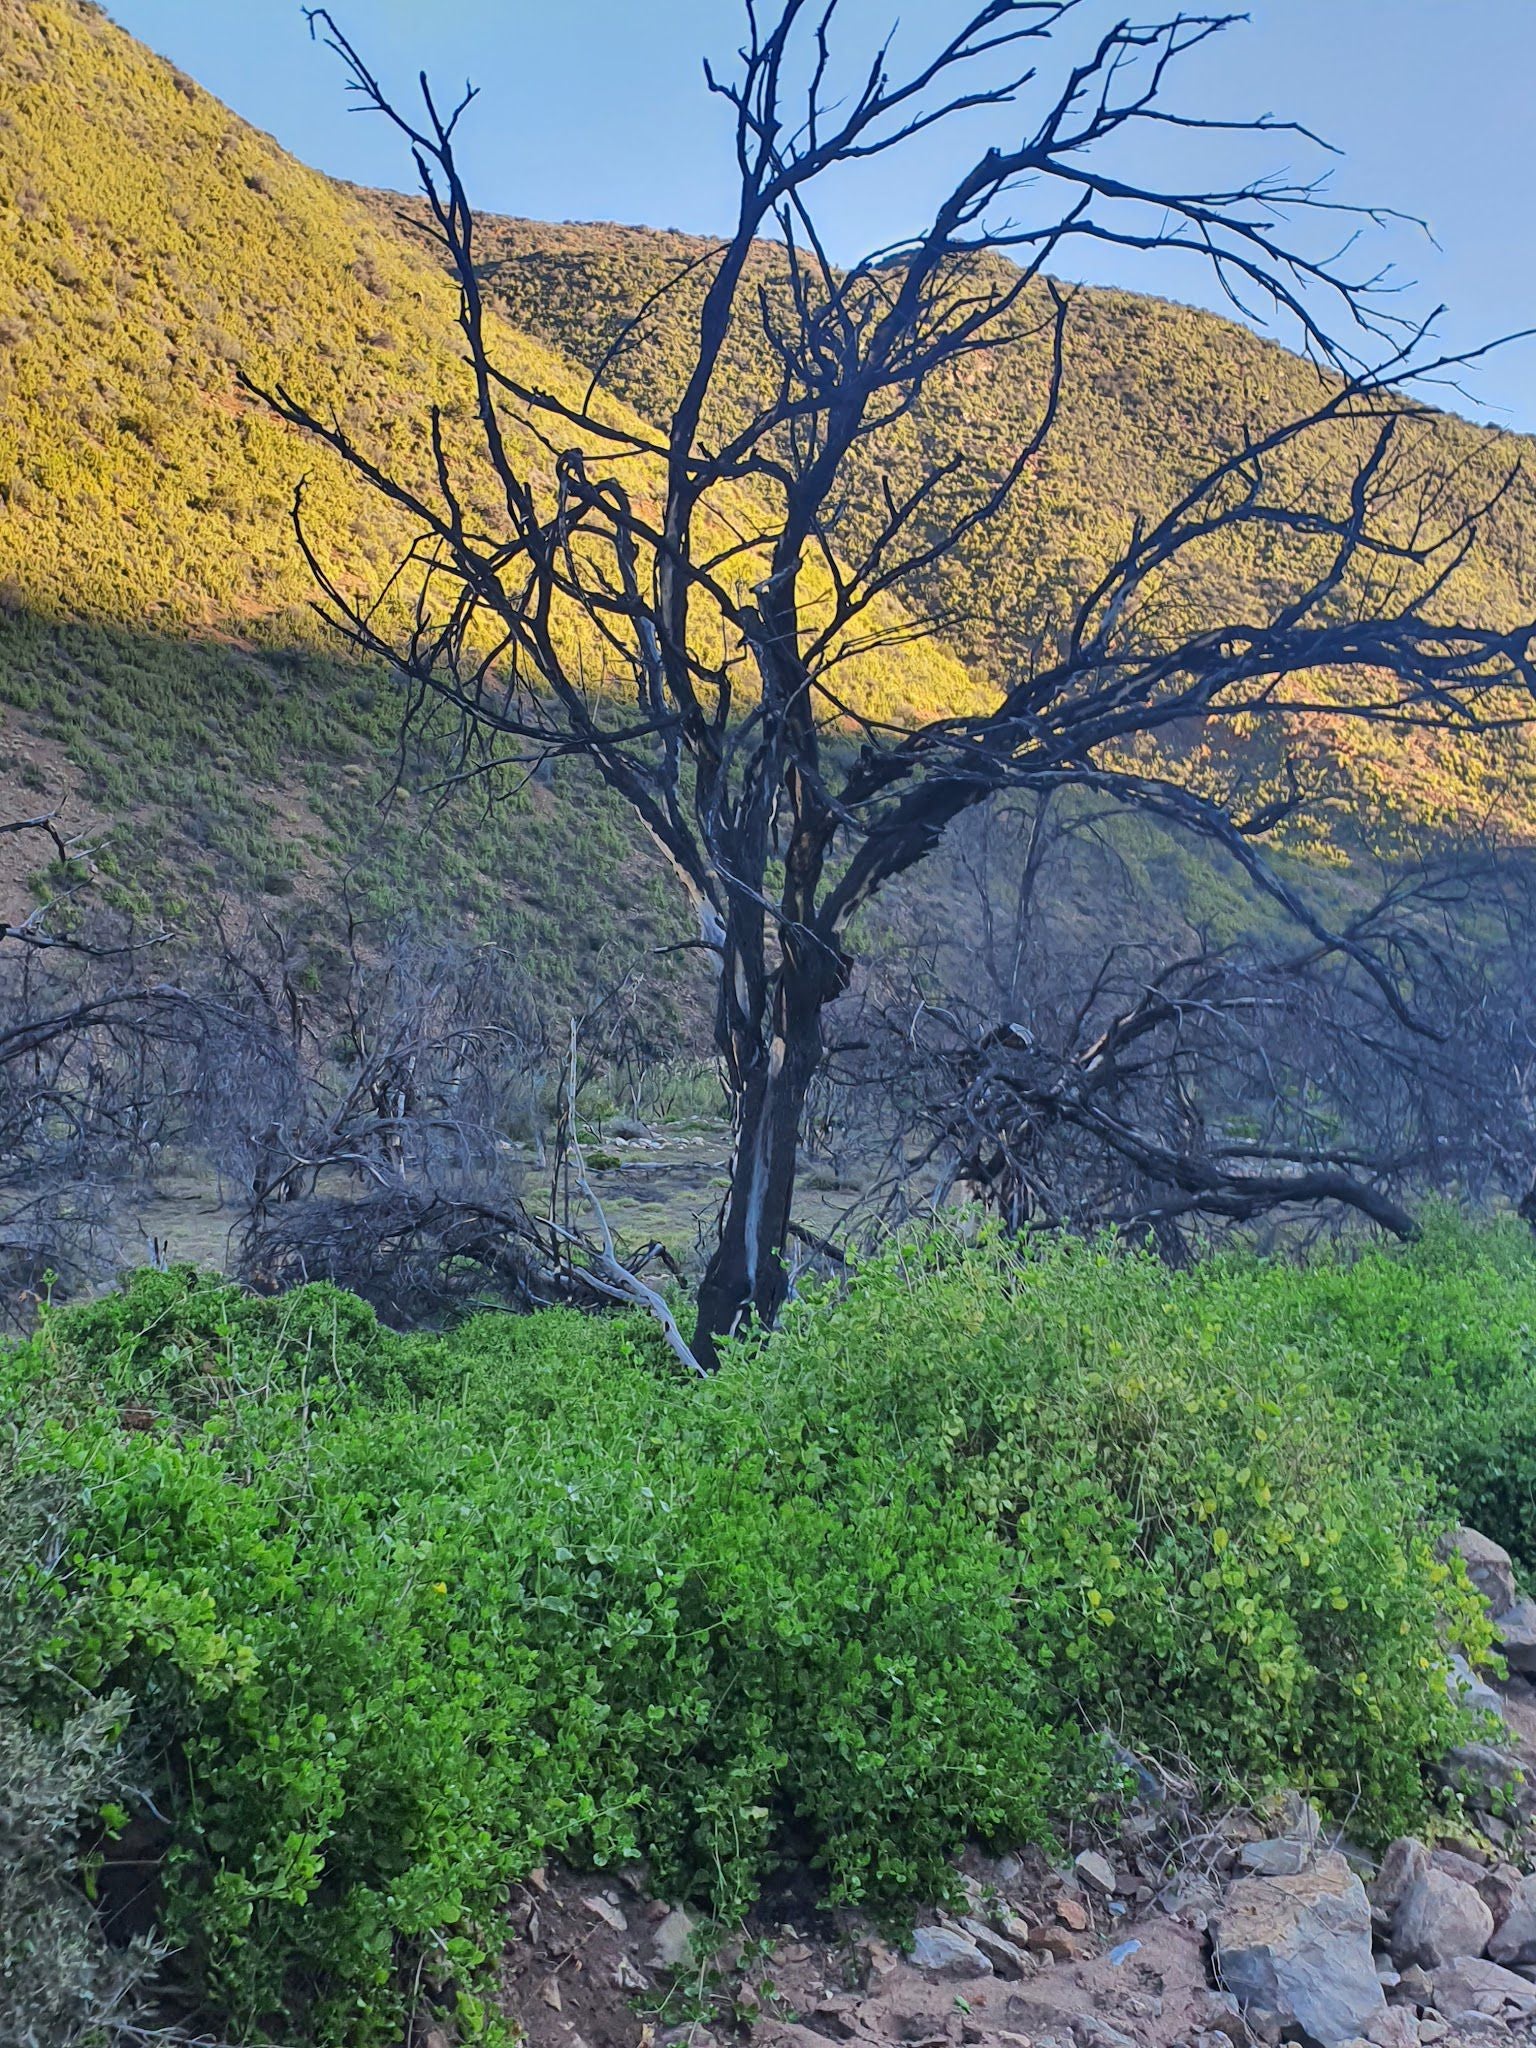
(1470, 1691)
(946, 1952)
(1489, 1778)
(1005, 1956)
(1438, 1919)
(1514, 1938)
(1404, 1863)
(1472, 1985)
(1296, 1950)
(672, 1943)
(1489, 1567)
(1517, 1635)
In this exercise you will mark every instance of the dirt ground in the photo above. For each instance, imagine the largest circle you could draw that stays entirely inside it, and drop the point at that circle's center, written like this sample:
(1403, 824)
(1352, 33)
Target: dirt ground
(596, 1963)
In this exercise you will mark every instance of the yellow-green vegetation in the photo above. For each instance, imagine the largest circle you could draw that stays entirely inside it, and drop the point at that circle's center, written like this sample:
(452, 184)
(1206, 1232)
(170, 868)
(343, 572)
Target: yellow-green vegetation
(388, 1619)
(158, 657)
(1154, 394)
(151, 244)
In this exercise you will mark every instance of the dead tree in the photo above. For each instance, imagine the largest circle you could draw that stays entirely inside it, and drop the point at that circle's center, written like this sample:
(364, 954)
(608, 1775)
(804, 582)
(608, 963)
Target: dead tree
(678, 606)
(1074, 1055)
(359, 1099)
(96, 1054)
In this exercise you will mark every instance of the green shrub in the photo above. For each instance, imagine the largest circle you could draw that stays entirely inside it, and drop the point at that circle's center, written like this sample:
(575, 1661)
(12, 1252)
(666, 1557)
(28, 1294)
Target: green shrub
(399, 1616)
(61, 1984)
(1436, 1342)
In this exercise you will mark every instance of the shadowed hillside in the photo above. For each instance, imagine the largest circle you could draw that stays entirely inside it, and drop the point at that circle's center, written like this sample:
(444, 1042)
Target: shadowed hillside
(159, 663)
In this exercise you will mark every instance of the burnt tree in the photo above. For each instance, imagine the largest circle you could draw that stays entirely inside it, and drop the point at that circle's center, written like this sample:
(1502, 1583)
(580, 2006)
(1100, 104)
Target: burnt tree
(681, 605)
(1074, 1053)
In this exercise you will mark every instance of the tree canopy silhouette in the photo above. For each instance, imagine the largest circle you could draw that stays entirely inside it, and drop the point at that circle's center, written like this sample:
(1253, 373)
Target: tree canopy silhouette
(682, 606)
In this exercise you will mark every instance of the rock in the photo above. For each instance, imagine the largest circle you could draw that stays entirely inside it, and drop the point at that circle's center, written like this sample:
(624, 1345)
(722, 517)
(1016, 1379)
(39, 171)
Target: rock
(1060, 1943)
(1472, 1985)
(1498, 1889)
(1488, 1777)
(1073, 1913)
(1470, 1691)
(1466, 1842)
(1189, 1892)
(1141, 2005)
(672, 1942)
(1294, 1819)
(1089, 2031)
(946, 1952)
(1279, 1858)
(1514, 1939)
(632, 1131)
(1267, 2027)
(1218, 2012)
(1413, 1987)
(1488, 1567)
(1438, 1919)
(1455, 1864)
(1096, 1871)
(1006, 1958)
(1404, 1863)
(1516, 1629)
(834, 2018)
(628, 1975)
(1431, 2031)
(1299, 1948)
(1013, 1927)
(1394, 2028)
(604, 1910)
(549, 1991)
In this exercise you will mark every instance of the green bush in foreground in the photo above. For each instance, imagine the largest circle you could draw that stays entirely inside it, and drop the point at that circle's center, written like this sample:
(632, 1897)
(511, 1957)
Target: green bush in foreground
(398, 1616)
(61, 1983)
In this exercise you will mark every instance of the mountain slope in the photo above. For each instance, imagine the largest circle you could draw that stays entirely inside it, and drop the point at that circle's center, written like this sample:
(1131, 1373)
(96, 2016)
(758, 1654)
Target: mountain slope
(157, 649)
(1153, 394)
(159, 663)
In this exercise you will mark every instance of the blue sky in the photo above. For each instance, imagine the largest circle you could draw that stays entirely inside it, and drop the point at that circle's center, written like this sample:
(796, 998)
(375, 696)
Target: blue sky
(596, 110)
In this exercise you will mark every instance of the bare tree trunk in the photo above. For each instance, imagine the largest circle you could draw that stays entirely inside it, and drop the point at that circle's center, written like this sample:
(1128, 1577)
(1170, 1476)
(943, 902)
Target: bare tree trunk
(771, 1074)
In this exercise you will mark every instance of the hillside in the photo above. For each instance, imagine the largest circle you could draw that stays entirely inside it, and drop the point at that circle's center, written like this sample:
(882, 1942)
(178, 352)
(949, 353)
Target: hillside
(159, 663)
(1154, 393)
(161, 669)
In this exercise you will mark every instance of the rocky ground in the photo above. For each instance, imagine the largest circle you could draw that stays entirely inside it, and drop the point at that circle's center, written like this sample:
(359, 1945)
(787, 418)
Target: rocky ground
(1180, 1930)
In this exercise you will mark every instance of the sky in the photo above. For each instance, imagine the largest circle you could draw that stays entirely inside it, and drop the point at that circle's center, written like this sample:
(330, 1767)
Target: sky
(597, 110)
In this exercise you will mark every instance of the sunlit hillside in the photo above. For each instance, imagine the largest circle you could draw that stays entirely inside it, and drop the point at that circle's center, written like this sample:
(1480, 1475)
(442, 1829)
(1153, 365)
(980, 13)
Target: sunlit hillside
(160, 665)
(1153, 393)
(158, 653)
